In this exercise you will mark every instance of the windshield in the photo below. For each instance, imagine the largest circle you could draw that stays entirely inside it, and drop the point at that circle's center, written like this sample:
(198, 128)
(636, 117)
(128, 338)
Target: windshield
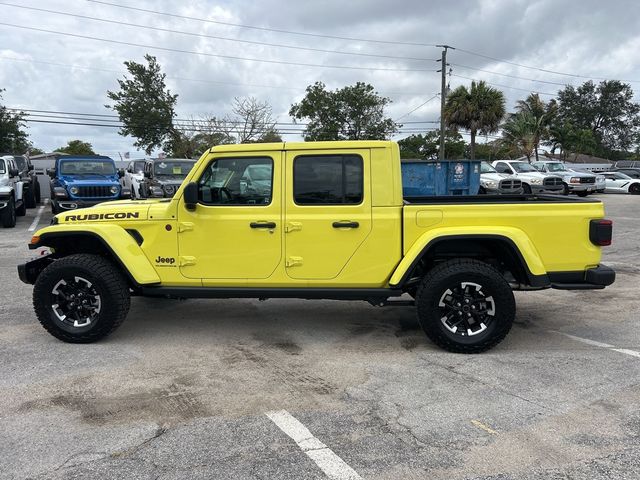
(522, 167)
(2, 167)
(486, 168)
(259, 173)
(21, 162)
(87, 167)
(556, 167)
(138, 167)
(175, 168)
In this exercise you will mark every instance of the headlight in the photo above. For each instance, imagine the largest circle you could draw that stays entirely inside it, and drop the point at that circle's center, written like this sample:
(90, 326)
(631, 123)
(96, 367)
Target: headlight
(489, 184)
(600, 178)
(574, 180)
(169, 189)
(114, 190)
(73, 190)
(156, 191)
(536, 181)
(60, 192)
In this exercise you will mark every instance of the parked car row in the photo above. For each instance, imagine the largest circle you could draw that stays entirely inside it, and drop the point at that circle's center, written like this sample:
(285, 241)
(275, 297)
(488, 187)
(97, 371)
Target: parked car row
(156, 178)
(19, 188)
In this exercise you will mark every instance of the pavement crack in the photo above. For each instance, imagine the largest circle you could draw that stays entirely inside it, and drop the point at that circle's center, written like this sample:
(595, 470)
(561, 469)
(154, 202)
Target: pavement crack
(161, 430)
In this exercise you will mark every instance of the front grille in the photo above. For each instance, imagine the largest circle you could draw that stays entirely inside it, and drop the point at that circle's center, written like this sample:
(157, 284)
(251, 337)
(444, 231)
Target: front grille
(553, 182)
(587, 179)
(94, 192)
(510, 184)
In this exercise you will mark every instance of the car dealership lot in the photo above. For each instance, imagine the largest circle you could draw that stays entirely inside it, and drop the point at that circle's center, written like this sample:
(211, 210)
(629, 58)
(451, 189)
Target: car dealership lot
(310, 389)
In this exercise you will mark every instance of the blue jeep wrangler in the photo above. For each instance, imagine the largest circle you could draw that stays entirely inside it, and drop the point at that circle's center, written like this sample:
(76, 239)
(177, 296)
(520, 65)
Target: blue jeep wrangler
(84, 181)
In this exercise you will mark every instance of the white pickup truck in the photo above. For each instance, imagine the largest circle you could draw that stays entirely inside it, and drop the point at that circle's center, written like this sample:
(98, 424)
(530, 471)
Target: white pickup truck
(533, 181)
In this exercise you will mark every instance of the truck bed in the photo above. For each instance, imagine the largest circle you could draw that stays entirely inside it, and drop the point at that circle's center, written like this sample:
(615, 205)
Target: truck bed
(554, 228)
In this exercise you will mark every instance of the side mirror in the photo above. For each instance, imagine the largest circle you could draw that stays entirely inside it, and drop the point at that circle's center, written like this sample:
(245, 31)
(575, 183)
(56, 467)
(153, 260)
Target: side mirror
(130, 170)
(51, 172)
(30, 168)
(147, 174)
(120, 173)
(190, 195)
(14, 172)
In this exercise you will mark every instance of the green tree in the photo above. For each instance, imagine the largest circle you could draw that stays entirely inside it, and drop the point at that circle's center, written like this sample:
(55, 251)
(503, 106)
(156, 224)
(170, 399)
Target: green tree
(569, 139)
(542, 114)
(350, 113)
(13, 136)
(607, 109)
(144, 104)
(520, 133)
(479, 109)
(76, 147)
(35, 151)
(427, 146)
(494, 150)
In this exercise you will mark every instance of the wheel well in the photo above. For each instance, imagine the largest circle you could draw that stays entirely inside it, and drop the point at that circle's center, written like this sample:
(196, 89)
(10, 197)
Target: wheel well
(74, 243)
(501, 253)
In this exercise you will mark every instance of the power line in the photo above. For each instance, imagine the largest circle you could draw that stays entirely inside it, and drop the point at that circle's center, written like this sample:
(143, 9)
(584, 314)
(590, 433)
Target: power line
(505, 86)
(555, 72)
(508, 75)
(418, 107)
(216, 82)
(216, 55)
(214, 37)
(264, 29)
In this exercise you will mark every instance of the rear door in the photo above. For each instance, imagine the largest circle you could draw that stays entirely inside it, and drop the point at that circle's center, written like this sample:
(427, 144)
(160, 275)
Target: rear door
(327, 210)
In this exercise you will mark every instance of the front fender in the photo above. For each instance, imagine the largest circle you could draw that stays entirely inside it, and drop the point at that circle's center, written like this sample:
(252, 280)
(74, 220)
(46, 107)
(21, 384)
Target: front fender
(116, 239)
(515, 236)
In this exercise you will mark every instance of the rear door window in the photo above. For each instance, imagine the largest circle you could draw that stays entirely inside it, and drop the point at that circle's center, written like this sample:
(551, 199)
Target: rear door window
(328, 179)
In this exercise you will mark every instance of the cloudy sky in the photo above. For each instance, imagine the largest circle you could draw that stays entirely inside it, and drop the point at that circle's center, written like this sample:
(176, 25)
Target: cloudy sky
(514, 45)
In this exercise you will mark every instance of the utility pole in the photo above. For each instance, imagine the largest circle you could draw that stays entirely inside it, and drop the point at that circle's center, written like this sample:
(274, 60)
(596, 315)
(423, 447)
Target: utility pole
(443, 96)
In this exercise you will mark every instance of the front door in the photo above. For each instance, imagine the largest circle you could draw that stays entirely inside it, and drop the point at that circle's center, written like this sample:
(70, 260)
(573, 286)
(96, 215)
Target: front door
(327, 211)
(235, 230)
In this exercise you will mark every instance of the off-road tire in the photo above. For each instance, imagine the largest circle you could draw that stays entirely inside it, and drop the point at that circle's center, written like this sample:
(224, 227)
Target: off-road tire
(482, 191)
(54, 209)
(526, 189)
(30, 197)
(109, 283)
(21, 211)
(447, 276)
(8, 214)
(37, 191)
(582, 194)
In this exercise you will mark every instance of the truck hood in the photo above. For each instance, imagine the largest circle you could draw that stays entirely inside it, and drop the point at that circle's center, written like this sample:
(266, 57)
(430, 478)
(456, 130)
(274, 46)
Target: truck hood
(90, 180)
(114, 212)
(495, 177)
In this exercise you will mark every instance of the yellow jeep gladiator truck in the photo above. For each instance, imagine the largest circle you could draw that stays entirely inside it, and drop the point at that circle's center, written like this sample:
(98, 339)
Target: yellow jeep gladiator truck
(319, 220)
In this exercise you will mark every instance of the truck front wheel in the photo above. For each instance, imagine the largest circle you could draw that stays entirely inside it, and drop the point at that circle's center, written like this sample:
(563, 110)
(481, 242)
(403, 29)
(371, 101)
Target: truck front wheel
(81, 298)
(465, 306)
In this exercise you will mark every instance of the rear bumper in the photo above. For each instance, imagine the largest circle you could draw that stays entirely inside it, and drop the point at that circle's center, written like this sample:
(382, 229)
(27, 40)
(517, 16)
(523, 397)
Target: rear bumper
(590, 279)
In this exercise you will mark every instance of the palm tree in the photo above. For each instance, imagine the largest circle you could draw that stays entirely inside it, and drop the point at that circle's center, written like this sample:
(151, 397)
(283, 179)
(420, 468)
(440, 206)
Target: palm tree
(519, 133)
(542, 115)
(479, 109)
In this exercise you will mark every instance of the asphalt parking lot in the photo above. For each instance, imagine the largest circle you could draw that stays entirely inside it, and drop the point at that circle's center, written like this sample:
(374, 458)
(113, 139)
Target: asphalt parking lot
(323, 389)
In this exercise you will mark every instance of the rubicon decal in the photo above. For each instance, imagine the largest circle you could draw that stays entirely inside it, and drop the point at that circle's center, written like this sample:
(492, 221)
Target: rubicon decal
(101, 216)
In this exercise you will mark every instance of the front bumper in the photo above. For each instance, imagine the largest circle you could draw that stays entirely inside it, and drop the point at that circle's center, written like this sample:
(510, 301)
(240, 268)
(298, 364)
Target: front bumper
(582, 187)
(590, 279)
(546, 189)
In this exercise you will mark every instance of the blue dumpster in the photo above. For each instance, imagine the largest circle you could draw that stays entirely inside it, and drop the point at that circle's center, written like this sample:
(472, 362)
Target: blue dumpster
(449, 177)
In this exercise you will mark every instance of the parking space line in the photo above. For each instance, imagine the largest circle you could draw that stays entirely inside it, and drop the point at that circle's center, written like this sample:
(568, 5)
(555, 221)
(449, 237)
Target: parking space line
(587, 341)
(330, 463)
(36, 220)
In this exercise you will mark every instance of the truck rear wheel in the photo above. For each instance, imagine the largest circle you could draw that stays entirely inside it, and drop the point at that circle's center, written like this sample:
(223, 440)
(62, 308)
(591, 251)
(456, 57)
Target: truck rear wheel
(465, 306)
(81, 298)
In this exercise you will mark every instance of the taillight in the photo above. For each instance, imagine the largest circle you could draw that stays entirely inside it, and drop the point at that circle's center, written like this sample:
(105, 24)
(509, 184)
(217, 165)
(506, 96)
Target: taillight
(600, 232)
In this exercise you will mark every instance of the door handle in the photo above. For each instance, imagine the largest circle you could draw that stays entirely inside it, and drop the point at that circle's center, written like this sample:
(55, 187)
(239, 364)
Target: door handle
(346, 224)
(268, 225)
